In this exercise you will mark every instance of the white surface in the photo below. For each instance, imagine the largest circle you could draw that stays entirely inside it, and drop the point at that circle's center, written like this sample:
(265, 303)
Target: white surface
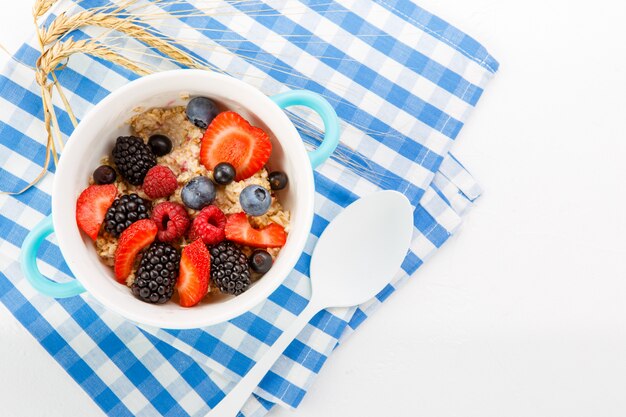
(524, 312)
(339, 279)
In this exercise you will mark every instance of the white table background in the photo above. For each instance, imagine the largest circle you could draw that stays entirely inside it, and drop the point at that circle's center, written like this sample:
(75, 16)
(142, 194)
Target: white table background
(523, 313)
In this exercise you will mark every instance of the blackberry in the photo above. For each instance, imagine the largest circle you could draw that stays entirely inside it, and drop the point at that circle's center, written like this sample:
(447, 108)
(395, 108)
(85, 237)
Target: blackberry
(157, 274)
(229, 268)
(124, 211)
(133, 158)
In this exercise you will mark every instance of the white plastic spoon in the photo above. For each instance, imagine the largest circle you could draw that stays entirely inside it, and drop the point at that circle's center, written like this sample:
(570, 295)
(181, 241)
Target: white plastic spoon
(356, 256)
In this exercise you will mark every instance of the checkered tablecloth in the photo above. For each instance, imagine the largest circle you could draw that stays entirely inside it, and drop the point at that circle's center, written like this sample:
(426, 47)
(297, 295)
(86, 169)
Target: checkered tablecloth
(403, 82)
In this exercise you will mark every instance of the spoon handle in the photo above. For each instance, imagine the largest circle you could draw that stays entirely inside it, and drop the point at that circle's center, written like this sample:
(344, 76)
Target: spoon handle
(230, 405)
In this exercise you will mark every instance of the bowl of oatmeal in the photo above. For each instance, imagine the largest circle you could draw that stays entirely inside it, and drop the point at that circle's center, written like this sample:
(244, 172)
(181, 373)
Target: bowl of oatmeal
(183, 199)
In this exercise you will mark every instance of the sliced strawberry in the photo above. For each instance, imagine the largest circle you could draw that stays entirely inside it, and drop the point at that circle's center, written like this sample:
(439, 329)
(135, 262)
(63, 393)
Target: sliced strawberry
(239, 230)
(136, 237)
(195, 271)
(92, 206)
(230, 138)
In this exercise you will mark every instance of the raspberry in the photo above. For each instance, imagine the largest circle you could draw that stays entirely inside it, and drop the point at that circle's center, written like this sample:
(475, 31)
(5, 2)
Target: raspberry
(160, 182)
(209, 226)
(171, 219)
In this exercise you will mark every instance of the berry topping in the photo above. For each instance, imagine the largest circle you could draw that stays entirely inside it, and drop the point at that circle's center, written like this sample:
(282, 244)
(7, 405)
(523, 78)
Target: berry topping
(278, 180)
(92, 206)
(195, 272)
(230, 138)
(260, 261)
(208, 225)
(239, 230)
(139, 235)
(201, 111)
(224, 173)
(160, 145)
(229, 268)
(160, 182)
(255, 200)
(133, 158)
(198, 193)
(156, 276)
(125, 210)
(104, 174)
(171, 219)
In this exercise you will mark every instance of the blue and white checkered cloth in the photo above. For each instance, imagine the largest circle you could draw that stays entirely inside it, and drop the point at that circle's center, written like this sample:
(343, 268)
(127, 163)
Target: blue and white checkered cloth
(402, 80)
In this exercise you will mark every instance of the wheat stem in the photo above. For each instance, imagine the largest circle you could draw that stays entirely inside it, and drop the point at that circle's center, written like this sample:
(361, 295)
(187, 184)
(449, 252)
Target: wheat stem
(66, 103)
(45, 94)
(53, 117)
(5, 50)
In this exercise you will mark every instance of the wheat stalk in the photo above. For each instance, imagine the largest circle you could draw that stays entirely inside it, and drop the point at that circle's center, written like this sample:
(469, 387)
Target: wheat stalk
(41, 7)
(48, 61)
(64, 24)
(125, 18)
(60, 51)
(55, 51)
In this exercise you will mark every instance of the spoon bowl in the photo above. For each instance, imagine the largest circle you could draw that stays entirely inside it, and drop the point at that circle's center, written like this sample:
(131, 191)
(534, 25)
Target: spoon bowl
(361, 249)
(354, 259)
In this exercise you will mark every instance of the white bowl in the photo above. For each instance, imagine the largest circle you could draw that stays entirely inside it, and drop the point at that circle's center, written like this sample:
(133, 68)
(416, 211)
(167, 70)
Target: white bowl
(95, 136)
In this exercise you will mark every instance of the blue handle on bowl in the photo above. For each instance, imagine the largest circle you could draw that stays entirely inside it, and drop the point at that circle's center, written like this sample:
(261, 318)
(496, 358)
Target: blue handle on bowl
(327, 113)
(28, 260)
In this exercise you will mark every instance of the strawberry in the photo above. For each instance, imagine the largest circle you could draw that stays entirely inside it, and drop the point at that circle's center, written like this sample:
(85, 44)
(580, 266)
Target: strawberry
(230, 138)
(239, 230)
(92, 206)
(136, 237)
(195, 271)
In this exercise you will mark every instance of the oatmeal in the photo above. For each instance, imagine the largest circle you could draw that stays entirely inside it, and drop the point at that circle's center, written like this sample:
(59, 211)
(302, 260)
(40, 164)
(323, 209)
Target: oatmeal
(185, 204)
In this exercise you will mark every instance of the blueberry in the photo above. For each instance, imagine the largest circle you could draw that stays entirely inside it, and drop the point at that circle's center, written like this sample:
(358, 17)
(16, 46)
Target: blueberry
(223, 173)
(260, 261)
(160, 145)
(198, 193)
(104, 174)
(201, 111)
(278, 180)
(255, 200)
